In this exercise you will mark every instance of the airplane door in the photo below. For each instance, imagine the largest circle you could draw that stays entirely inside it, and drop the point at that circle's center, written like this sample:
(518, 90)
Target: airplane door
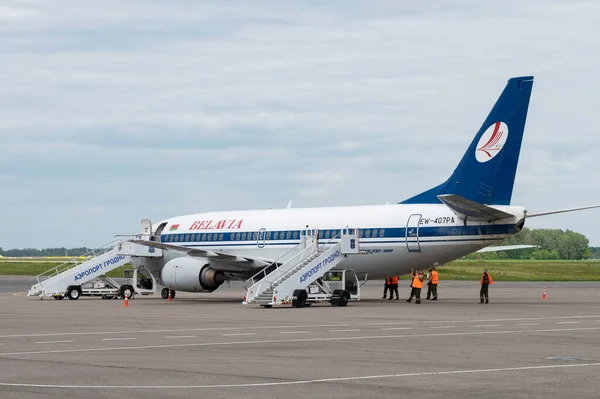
(262, 237)
(412, 233)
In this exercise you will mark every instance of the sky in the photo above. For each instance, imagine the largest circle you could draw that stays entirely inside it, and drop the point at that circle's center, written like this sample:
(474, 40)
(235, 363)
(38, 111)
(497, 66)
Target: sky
(112, 111)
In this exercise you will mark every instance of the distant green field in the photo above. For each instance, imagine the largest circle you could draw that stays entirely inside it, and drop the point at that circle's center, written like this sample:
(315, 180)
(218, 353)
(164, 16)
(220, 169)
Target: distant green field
(501, 270)
(523, 270)
(34, 267)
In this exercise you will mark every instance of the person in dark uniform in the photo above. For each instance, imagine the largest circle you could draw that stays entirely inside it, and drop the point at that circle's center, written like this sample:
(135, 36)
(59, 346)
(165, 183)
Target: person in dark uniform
(386, 287)
(394, 287)
(486, 281)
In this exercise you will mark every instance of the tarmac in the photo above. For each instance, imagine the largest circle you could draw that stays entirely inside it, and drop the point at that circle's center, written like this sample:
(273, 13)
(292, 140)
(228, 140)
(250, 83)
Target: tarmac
(211, 346)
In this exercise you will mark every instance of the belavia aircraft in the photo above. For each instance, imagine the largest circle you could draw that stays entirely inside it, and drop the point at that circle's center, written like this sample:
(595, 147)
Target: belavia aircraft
(466, 213)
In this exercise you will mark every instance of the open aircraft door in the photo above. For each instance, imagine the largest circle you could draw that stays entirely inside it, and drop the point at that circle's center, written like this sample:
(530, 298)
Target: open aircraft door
(412, 233)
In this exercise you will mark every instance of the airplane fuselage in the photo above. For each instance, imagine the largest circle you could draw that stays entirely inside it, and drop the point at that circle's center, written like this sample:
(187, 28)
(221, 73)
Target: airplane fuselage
(393, 238)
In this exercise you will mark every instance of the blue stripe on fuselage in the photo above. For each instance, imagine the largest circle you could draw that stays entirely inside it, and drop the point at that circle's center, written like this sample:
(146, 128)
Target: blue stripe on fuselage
(285, 236)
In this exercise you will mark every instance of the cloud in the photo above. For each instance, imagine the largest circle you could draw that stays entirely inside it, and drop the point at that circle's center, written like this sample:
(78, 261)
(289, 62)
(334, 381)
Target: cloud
(117, 111)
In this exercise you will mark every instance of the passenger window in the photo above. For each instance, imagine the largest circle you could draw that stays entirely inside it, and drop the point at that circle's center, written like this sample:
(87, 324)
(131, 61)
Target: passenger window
(268, 235)
(275, 235)
(381, 233)
(367, 233)
(209, 238)
(238, 236)
(221, 237)
(243, 236)
(374, 233)
(288, 235)
(255, 236)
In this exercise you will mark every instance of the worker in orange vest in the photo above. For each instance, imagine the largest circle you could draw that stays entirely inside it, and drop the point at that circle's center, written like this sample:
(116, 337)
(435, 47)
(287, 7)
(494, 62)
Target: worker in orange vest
(386, 287)
(432, 284)
(394, 287)
(486, 281)
(417, 285)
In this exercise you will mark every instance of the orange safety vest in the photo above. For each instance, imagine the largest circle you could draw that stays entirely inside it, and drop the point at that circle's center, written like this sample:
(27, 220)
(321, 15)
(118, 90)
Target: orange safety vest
(394, 280)
(387, 281)
(490, 281)
(434, 277)
(417, 283)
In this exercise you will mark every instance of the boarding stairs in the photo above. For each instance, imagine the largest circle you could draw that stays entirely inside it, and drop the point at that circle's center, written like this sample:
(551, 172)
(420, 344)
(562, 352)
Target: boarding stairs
(299, 268)
(74, 273)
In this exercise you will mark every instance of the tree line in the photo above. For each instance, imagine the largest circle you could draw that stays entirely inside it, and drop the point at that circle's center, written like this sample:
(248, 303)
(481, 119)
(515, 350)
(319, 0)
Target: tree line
(553, 244)
(34, 253)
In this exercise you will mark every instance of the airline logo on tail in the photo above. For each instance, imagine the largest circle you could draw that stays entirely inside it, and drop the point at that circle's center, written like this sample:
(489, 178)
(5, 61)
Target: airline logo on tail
(491, 142)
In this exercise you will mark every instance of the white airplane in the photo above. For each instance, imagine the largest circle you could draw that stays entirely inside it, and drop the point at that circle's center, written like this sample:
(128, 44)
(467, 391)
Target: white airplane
(465, 214)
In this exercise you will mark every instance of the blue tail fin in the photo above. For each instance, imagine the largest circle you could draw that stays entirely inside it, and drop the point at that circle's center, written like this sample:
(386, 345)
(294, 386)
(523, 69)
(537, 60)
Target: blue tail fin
(486, 173)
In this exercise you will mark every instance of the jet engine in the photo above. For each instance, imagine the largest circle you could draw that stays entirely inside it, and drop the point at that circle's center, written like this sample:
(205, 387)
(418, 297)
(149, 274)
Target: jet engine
(192, 275)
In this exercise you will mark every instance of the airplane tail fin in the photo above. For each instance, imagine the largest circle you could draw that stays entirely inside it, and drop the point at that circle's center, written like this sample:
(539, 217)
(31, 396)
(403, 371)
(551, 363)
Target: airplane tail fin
(486, 173)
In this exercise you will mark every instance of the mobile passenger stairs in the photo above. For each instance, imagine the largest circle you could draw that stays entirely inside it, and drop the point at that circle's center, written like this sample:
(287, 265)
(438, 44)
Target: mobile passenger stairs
(303, 275)
(73, 279)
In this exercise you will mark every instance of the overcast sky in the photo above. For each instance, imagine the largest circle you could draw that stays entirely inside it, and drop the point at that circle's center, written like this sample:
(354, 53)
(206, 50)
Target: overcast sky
(114, 111)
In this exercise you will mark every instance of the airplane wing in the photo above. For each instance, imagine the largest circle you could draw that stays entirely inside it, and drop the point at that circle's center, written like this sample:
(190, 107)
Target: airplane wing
(472, 210)
(214, 256)
(505, 248)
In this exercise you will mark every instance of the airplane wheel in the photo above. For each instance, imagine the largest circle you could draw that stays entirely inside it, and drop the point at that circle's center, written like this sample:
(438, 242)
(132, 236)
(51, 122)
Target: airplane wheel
(164, 293)
(172, 294)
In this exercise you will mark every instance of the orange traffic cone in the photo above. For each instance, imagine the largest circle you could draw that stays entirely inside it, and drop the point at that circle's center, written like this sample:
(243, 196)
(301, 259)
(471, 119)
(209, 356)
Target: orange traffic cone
(170, 299)
(544, 293)
(126, 303)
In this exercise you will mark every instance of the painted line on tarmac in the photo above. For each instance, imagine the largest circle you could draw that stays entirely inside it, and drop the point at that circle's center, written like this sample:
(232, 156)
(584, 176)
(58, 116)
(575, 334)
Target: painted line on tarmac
(276, 341)
(396, 328)
(180, 336)
(237, 334)
(568, 322)
(290, 326)
(531, 324)
(119, 339)
(170, 331)
(443, 327)
(54, 342)
(303, 382)
(344, 330)
(294, 332)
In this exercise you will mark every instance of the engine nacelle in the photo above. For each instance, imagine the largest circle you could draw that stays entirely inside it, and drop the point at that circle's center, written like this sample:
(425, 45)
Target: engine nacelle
(192, 275)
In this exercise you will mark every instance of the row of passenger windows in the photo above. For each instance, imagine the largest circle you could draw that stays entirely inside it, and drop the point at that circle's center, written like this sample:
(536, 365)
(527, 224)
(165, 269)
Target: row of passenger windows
(268, 235)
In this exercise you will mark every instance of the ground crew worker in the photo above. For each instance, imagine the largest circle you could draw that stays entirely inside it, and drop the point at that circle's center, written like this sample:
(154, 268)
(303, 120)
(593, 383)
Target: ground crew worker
(386, 287)
(394, 287)
(486, 281)
(432, 284)
(417, 285)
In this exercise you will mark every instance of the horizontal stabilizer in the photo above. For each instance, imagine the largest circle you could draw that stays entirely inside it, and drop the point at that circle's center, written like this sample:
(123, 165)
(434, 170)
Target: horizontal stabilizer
(532, 215)
(506, 248)
(467, 209)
